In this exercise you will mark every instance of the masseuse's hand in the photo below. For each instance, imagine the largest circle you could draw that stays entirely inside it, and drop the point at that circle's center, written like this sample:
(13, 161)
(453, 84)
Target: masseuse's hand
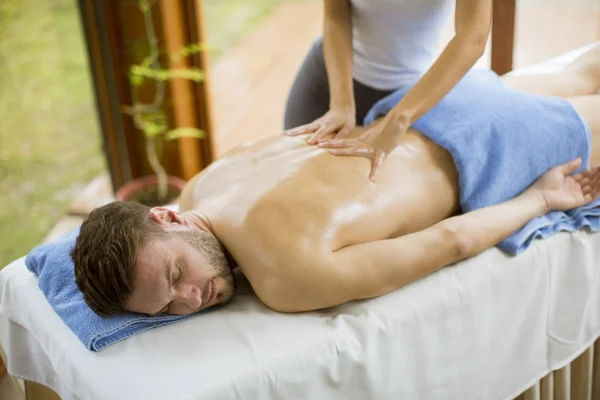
(338, 121)
(562, 191)
(375, 143)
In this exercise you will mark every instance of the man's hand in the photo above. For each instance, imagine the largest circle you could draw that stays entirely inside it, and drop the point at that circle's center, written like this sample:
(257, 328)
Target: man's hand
(339, 121)
(375, 143)
(562, 191)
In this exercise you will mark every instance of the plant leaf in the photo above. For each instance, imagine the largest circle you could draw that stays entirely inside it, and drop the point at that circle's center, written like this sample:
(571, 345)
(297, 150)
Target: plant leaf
(151, 129)
(193, 74)
(184, 132)
(192, 48)
(136, 80)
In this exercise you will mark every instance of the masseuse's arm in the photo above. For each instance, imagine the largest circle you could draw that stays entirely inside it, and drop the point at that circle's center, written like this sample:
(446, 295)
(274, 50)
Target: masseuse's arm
(337, 49)
(472, 25)
(372, 269)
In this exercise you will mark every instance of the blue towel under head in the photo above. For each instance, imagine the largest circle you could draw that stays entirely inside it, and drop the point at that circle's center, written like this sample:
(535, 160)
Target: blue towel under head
(52, 263)
(501, 141)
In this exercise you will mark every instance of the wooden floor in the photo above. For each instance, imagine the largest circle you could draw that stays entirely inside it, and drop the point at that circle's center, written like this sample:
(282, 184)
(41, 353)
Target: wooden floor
(249, 85)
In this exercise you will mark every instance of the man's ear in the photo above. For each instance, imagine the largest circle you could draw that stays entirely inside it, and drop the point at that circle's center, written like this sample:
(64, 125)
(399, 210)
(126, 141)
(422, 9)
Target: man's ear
(166, 217)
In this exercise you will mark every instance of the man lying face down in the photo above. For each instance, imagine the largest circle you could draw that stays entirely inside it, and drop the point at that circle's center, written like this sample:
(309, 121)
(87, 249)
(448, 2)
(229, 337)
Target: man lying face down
(309, 229)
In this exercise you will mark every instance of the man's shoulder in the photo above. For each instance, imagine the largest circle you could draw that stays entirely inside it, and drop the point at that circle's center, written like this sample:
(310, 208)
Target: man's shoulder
(266, 246)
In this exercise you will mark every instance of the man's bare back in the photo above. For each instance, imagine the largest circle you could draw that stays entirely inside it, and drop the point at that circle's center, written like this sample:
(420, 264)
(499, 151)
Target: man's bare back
(321, 202)
(278, 203)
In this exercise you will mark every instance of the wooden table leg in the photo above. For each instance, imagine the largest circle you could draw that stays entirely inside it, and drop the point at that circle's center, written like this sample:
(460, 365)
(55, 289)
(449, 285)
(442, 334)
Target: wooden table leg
(2, 368)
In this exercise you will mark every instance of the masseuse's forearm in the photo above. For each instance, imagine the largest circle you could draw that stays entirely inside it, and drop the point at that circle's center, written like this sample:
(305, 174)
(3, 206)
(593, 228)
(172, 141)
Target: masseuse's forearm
(472, 24)
(479, 230)
(456, 60)
(337, 48)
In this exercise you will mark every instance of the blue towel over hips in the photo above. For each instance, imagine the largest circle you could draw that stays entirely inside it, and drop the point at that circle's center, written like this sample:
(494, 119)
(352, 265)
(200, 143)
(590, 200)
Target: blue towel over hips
(52, 263)
(501, 141)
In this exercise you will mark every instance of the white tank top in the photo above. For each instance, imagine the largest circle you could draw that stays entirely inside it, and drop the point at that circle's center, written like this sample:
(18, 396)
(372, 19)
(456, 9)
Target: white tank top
(396, 41)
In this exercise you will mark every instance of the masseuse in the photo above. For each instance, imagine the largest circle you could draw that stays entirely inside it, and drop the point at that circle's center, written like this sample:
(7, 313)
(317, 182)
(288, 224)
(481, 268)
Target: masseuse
(369, 49)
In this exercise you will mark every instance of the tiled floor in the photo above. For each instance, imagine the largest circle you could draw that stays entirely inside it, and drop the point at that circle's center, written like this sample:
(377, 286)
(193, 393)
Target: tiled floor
(249, 85)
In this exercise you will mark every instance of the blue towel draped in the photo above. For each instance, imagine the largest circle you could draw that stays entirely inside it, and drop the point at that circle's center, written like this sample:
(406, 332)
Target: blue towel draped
(501, 141)
(52, 263)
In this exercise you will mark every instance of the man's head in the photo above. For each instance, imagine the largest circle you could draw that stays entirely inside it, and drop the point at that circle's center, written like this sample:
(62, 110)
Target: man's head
(151, 261)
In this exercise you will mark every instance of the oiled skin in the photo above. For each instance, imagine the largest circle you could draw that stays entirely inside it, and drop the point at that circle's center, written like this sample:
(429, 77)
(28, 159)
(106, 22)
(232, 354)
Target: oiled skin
(279, 204)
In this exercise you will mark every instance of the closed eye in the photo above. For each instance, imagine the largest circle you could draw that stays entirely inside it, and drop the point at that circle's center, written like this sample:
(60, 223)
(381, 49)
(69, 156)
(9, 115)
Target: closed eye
(175, 282)
(178, 279)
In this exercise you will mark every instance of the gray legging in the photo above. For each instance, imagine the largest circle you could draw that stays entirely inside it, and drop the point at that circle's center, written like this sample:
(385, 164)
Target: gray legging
(309, 96)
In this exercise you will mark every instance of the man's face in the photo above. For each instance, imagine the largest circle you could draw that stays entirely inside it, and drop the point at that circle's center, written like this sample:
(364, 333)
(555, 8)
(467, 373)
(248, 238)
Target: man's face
(172, 276)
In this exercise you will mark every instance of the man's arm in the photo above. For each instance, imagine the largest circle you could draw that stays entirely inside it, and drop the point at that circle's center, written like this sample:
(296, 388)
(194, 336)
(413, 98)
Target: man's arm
(372, 269)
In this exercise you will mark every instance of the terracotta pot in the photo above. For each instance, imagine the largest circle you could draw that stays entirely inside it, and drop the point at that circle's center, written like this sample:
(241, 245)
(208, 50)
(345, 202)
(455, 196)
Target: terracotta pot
(130, 189)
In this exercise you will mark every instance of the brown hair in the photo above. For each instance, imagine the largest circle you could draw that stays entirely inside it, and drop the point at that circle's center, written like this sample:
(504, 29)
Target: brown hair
(105, 253)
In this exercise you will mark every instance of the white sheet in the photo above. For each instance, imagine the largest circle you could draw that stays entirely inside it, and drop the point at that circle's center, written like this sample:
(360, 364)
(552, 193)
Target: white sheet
(486, 328)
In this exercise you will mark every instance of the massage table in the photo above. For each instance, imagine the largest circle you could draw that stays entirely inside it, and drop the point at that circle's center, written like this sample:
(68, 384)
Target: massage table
(486, 328)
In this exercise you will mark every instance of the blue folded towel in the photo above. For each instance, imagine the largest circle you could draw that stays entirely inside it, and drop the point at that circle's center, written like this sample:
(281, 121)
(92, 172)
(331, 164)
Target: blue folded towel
(501, 141)
(52, 263)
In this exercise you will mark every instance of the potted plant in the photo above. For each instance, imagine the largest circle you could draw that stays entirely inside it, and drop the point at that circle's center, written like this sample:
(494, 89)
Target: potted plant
(151, 118)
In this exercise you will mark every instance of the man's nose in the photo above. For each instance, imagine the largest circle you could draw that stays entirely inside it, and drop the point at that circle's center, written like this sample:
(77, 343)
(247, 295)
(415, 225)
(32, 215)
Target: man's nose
(190, 295)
